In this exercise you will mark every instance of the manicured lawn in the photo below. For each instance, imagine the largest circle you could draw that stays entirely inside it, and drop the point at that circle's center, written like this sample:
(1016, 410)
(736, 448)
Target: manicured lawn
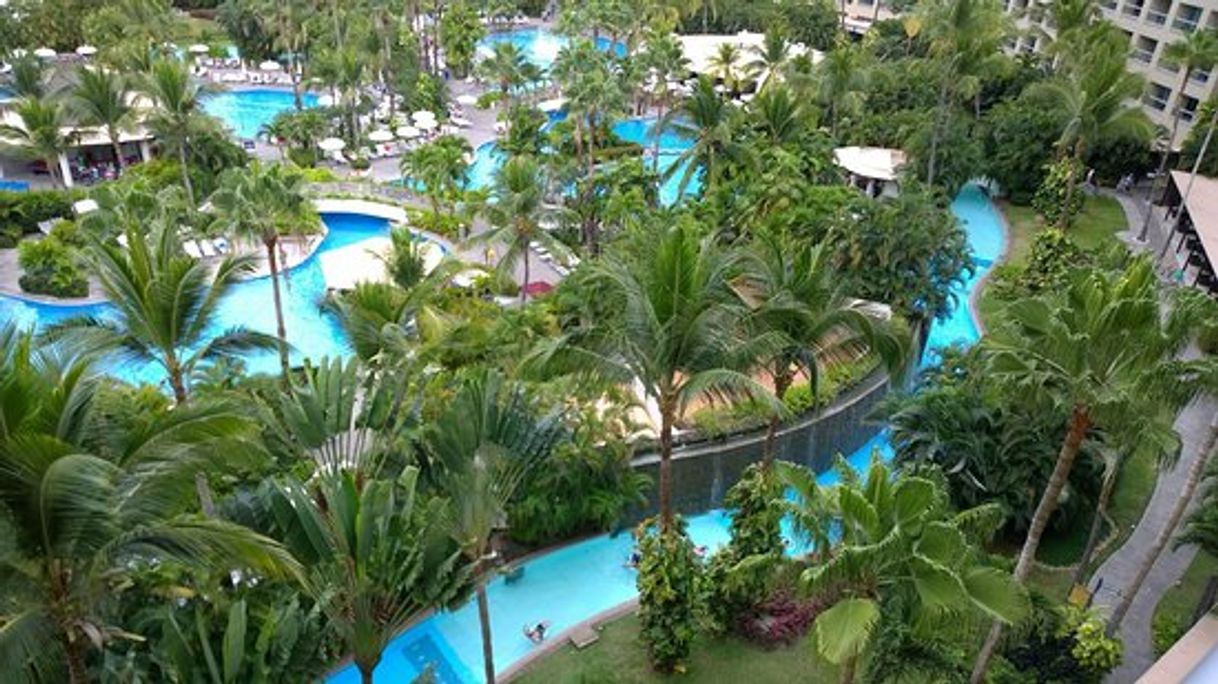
(620, 658)
(1178, 602)
(1095, 228)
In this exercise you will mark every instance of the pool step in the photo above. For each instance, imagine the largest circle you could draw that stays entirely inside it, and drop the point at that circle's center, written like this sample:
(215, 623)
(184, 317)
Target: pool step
(584, 637)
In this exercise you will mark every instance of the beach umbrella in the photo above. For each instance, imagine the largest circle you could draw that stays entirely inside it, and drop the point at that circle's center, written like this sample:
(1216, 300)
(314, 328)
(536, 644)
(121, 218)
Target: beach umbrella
(44, 53)
(86, 51)
(270, 65)
(325, 101)
(198, 49)
(467, 100)
(427, 125)
(20, 52)
(423, 115)
(407, 132)
(331, 144)
(380, 136)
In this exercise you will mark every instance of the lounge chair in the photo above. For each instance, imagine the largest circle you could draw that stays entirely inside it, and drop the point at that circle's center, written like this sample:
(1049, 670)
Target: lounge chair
(191, 249)
(206, 248)
(461, 122)
(221, 245)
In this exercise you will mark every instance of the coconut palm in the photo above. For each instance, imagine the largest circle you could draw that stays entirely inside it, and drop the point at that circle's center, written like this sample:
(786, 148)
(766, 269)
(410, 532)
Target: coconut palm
(793, 291)
(897, 538)
(705, 117)
(481, 448)
(177, 113)
(264, 203)
(725, 65)
(438, 170)
(841, 82)
(666, 62)
(516, 211)
(679, 337)
(167, 306)
(79, 523)
(1069, 19)
(1103, 354)
(1196, 51)
(101, 98)
(1096, 97)
(504, 67)
(40, 135)
(770, 58)
(28, 78)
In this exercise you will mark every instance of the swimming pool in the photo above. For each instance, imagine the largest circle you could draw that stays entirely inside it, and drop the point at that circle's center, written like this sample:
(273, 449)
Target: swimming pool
(578, 581)
(311, 332)
(539, 46)
(247, 110)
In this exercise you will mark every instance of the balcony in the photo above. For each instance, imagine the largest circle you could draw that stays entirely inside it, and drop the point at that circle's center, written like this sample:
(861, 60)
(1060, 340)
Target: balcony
(1132, 10)
(1142, 55)
(1156, 17)
(1184, 25)
(1159, 103)
(1199, 76)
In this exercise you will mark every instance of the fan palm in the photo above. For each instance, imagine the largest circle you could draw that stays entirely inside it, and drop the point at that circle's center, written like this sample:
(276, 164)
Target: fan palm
(679, 337)
(1102, 353)
(40, 135)
(516, 213)
(706, 118)
(78, 522)
(263, 203)
(177, 113)
(794, 292)
(1096, 97)
(101, 98)
(480, 449)
(898, 539)
(166, 306)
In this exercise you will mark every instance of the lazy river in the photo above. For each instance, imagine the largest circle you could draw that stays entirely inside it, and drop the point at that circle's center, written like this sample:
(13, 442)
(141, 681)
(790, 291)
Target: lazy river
(581, 580)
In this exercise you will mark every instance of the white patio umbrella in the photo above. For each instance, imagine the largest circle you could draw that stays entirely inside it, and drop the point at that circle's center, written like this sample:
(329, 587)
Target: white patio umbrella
(380, 136)
(423, 115)
(331, 144)
(86, 51)
(44, 53)
(407, 132)
(270, 65)
(467, 100)
(20, 52)
(198, 49)
(325, 101)
(427, 125)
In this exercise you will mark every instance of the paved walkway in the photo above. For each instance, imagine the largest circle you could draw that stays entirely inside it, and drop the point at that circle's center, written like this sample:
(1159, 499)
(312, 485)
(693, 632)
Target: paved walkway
(1117, 572)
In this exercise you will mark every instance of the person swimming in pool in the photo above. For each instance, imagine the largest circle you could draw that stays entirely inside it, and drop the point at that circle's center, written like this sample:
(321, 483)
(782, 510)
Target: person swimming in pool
(537, 633)
(635, 559)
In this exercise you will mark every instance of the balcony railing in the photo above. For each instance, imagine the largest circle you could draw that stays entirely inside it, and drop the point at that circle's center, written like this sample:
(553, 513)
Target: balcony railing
(1142, 55)
(1200, 76)
(1159, 103)
(1132, 10)
(1187, 114)
(1156, 17)
(1184, 24)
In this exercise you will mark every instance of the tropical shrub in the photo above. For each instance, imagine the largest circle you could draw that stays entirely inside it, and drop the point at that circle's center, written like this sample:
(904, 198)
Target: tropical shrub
(1018, 141)
(1062, 644)
(1052, 261)
(670, 583)
(780, 620)
(1165, 631)
(50, 268)
(1050, 197)
(1092, 648)
(834, 379)
(21, 212)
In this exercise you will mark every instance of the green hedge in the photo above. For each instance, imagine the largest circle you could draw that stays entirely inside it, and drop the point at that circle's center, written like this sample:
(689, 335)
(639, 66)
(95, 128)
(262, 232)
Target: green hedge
(50, 268)
(21, 212)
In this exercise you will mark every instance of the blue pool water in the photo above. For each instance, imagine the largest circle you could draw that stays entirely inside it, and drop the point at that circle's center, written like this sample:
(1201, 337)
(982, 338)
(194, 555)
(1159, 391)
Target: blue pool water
(538, 45)
(312, 333)
(578, 581)
(246, 111)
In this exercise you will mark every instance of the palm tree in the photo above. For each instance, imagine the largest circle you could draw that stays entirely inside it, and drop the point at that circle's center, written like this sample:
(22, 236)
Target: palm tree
(79, 523)
(778, 115)
(178, 110)
(439, 167)
(897, 536)
(1201, 530)
(265, 202)
(101, 98)
(771, 57)
(706, 118)
(29, 78)
(166, 304)
(724, 64)
(1103, 353)
(841, 82)
(666, 62)
(505, 67)
(680, 335)
(1070, 19)
(482, 447)
(1197, 50)
(793, 291)
(1095, 96)
(40, 135)
(516, 211)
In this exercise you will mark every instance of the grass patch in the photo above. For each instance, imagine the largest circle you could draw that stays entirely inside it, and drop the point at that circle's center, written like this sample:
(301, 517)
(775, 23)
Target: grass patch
(1176, 608)
(621, 658)
(1096, 227)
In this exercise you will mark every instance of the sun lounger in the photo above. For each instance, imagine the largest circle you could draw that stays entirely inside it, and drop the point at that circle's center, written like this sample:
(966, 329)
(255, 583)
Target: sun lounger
(461, 122)
(221, 245)
(206, 248)
(191, 249)
(562, 270)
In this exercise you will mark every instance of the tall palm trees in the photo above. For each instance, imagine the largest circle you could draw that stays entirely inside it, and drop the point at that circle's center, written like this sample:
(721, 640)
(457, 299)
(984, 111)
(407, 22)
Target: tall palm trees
(1095, 96)
(841, 82)
(516, 214)
(439, 167)
(725, 65)
(101, 99)
(706, 118)
(505, 66)
(178, 110)
(1198, 50)
(666, 62)
(40, 135)
(79, 522)
(264, 203)
(771, 57)
(1103, 354)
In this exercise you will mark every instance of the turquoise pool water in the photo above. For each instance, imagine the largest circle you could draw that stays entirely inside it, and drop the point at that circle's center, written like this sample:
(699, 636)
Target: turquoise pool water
(312, 333)
(580, 580)
(539, 46)
(247, 110)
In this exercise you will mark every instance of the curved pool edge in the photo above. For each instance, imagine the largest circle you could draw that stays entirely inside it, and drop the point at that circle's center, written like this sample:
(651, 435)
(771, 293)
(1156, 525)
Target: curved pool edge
(974, 298)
